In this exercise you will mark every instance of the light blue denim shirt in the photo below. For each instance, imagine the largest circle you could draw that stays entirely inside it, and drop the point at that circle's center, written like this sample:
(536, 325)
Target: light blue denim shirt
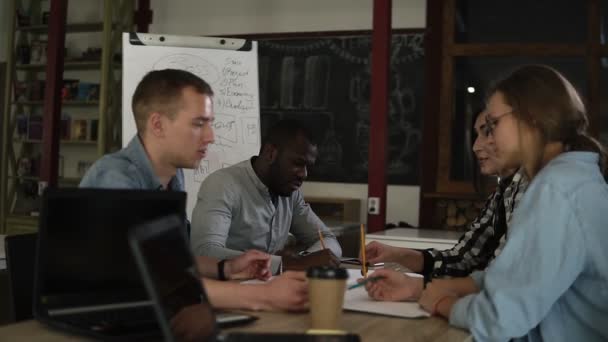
(550, 283)
(234, 212)
(129, 168)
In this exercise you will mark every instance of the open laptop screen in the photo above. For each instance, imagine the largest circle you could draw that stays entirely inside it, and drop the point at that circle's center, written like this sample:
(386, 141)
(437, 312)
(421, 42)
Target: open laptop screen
(170, 275)
(168, 264)
(84, 257)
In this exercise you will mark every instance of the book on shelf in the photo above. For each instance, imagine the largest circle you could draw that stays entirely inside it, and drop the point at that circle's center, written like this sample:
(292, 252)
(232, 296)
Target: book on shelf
(80, 129)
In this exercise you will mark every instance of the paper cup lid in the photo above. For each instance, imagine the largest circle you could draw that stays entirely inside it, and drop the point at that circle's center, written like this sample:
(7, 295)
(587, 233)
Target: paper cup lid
(327, 272)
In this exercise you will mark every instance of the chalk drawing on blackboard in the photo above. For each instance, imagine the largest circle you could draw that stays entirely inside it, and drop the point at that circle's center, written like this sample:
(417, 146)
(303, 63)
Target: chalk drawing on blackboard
(407, 48)
(201, 171)
(330, 151)
(288, 82)
(402, 99)
(266, 100)
(326, 82)
(359, 90)
(192, 63)
(362, 139)
(404, 139)
(251, 130)
(316, 80)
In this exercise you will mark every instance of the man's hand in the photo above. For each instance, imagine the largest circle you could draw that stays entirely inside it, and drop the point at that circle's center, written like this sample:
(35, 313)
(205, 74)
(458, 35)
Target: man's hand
(379, 252)
(394, 286)
(324, 257)
(250, 265)
(288, 292)
(187, 324)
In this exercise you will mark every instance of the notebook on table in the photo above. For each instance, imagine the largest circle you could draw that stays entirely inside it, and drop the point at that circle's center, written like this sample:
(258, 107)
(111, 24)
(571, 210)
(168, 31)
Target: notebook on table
(85, 278)
(168, 269)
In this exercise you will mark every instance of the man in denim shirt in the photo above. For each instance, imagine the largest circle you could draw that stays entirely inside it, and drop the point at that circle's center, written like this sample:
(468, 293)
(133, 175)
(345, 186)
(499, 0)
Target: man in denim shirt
(174, 113)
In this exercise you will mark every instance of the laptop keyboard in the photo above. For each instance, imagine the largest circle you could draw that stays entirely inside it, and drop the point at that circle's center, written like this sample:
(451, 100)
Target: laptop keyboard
(114, 322)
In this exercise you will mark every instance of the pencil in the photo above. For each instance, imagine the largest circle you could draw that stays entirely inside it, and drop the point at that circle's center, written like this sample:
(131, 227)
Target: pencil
(367, 280)
(364, 260)
(321, 237)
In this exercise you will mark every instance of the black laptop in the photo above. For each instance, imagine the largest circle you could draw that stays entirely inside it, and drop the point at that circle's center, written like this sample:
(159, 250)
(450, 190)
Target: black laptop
(161, 252)
(86, 280)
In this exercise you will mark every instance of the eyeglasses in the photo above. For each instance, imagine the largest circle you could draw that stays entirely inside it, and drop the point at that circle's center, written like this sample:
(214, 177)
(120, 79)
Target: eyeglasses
(492, 122)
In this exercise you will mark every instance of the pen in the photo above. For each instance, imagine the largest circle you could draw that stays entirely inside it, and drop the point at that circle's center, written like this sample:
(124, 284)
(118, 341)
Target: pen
(321, 238)
(365, 281)
(363, 259)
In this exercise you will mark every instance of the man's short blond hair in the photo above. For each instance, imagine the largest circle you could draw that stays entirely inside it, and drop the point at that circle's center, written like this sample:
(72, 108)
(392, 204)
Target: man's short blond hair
(161, 91)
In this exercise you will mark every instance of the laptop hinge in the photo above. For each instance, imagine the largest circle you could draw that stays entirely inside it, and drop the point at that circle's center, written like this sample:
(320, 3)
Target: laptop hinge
(104, 307)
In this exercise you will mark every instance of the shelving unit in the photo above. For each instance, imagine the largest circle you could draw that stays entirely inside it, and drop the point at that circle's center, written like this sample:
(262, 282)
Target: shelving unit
(64, 104)
(20, 168)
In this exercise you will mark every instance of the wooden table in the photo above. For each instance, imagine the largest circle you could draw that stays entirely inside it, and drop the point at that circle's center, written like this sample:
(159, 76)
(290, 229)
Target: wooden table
(369, 327)
(34, 331)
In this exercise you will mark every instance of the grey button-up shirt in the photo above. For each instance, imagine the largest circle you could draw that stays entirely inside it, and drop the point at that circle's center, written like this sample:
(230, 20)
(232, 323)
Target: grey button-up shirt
(129, 168)
(235, 212)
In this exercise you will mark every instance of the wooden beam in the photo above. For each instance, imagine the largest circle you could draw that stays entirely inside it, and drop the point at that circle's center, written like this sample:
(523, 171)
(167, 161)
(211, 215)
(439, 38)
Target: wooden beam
(7, 134)
(143, 16)
(446, 100)
(430, 123)
(52, 93)
(514, 49)
(378, 131)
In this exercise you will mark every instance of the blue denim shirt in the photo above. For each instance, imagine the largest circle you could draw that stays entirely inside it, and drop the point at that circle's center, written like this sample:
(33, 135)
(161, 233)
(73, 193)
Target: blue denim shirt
(550, 282)
(129, 168)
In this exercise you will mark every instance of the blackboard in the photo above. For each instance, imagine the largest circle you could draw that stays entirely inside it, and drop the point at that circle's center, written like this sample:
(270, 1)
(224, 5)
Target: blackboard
(325, 82)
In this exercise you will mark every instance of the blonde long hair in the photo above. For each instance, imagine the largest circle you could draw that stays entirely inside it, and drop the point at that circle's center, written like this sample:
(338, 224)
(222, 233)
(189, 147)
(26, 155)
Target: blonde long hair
(544, 99)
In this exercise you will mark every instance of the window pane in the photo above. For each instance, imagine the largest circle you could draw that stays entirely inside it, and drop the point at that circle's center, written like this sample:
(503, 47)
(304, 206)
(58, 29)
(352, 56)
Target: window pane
(476, 74)
(521, 21)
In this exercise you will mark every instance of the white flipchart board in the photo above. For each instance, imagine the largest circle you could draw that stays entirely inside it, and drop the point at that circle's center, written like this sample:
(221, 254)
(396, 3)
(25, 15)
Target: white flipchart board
(230, 66)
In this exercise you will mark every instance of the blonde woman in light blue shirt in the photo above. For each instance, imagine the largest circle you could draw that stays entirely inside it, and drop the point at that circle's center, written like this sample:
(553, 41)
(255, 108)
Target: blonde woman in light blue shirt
(550, 283)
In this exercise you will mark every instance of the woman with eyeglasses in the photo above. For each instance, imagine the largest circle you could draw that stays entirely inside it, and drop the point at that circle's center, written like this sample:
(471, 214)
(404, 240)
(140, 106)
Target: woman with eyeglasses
(550, 282)
(477, 247)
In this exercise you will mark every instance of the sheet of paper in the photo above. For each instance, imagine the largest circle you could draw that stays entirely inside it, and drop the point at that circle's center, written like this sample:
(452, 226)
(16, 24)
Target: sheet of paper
(358, 300)
(355, 273)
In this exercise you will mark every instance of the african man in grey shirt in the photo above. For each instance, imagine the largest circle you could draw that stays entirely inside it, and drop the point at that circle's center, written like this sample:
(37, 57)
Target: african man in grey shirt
(255, 204)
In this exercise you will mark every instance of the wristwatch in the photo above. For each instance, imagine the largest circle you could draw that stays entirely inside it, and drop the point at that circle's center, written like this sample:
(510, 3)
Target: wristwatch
(220, 270)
